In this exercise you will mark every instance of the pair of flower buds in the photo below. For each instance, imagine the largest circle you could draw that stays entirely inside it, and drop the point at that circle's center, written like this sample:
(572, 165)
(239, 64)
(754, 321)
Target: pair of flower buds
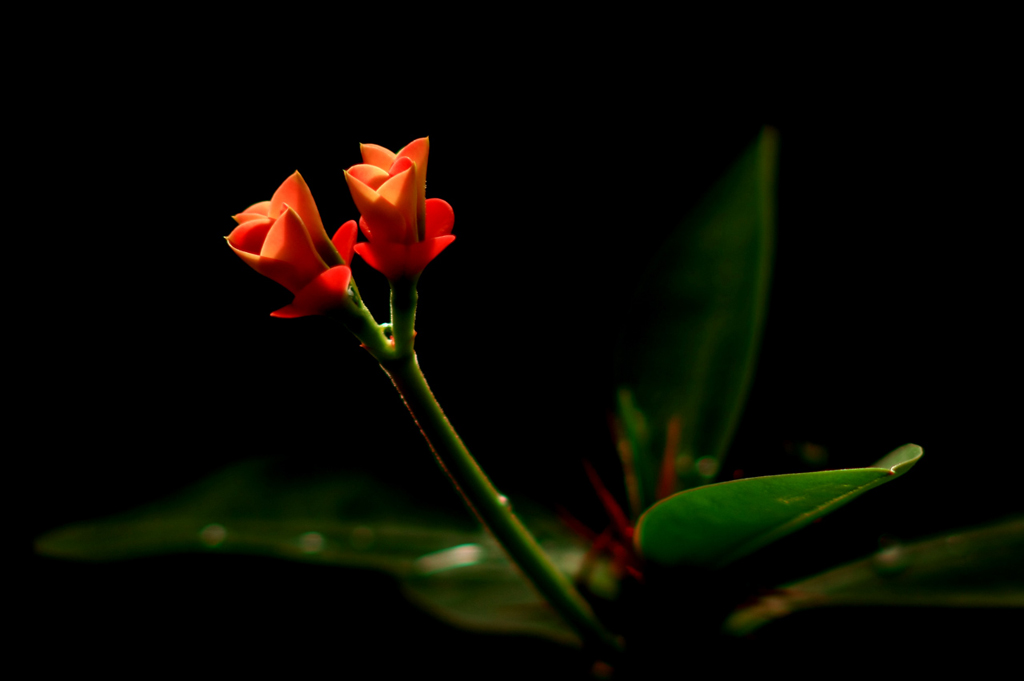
(284, 238)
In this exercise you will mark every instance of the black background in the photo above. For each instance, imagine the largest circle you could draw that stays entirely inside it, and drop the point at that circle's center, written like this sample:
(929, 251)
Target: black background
(152, 360)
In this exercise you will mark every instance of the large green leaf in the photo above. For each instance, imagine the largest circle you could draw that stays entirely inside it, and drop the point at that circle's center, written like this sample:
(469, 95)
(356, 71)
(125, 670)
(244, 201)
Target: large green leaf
(980, 568)
(684, 366)
(257, 508)
(716, 524)
(445, 561)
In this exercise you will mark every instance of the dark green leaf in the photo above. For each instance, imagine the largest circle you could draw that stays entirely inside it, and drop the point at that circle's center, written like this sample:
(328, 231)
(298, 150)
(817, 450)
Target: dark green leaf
(445, 561)
(474, 586)
(684, 365)
(248, 508)
(981, 568)
(716, 524)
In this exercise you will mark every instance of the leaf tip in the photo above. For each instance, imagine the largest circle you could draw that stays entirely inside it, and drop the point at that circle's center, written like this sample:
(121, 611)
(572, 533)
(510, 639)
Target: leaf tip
(901, 459)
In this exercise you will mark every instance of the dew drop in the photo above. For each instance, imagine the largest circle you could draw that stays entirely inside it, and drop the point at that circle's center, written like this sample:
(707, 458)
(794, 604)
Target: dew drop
(707, 466)
(311, 542)
(213, 535)
(890, 560)
(446, 559)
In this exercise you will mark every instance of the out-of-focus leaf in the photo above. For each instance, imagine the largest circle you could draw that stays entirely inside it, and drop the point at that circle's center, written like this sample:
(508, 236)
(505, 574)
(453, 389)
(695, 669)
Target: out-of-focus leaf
(474, 586)
(719, 523)
(977, 568)
(349, 520)
(684, 366)
(446, 562)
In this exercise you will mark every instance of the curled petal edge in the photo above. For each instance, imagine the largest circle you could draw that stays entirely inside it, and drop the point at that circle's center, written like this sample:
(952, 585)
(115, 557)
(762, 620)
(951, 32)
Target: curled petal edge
(250, 235)
(370, 175)
(260, 207)
(244, 217)
(376, 155)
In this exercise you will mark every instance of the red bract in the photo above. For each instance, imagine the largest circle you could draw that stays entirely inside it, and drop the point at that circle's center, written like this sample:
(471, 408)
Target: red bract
(284, 239)
(405, 229)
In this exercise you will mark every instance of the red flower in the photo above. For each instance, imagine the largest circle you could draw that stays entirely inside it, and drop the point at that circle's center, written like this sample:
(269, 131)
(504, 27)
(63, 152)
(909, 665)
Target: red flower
(284, 239)
(405, 229)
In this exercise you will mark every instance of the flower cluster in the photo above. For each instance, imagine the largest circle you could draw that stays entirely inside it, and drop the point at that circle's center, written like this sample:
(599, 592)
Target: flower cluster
(284, 238)
(405, 230)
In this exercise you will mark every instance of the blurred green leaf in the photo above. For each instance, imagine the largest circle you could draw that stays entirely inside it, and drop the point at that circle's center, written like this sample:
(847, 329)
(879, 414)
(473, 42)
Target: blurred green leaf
(976, 568)
(474, 586)
(253, 508)
(719, 523)
(688, 358)
(445, 561)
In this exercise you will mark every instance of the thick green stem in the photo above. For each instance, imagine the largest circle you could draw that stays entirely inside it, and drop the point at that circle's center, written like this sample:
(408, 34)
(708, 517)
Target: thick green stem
(492, 508)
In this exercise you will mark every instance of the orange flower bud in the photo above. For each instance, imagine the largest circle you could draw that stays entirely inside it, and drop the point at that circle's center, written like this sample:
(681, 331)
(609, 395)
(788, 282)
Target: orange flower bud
(284, 239)
(405, 230)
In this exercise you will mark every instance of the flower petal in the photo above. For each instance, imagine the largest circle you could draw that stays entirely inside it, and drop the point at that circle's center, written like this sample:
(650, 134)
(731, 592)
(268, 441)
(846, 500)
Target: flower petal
(417, 151)
(251, 259)
(345, 239)
(422, 253)
(262, 207)
(386, 221)
(246, 217)
(288, 241)
(325, 293)
(295, 193)
(280, 271)
(395, 261)
(400, 165)
(249, 236)
(376, 155)
(400, 192)
(372, 176)
(364, 228)
(440, 218)
(387, 258)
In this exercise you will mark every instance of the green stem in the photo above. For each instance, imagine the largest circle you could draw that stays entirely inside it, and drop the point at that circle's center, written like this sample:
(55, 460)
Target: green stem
(356, 298)
(403, 315)
(492, 508)
(358, 319)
